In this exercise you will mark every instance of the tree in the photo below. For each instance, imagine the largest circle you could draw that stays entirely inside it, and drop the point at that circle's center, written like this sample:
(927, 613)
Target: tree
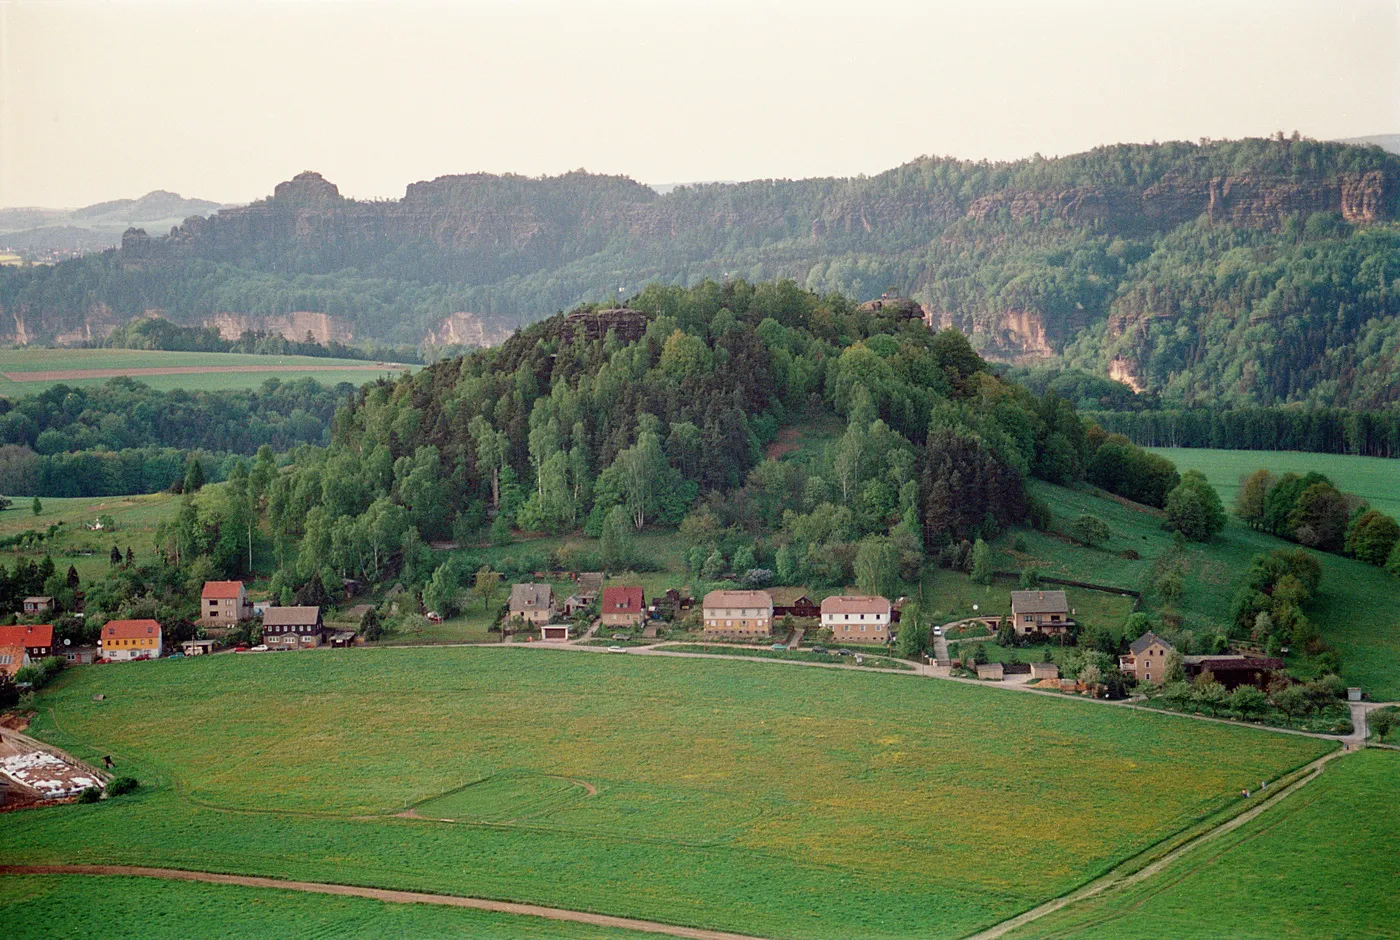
(313, 593)
(1194, 508)
(194, 476)
(1252, 499)
(1382, 722)
(1248, 701)
(440, 593)
(1175, 668)
(615, 542)
(1209, 694)
(1293, 700)
(1006, 633)
(486, 584)
(713, 567)
(1373, 538)
(981, 562)
(1319, 519)
(877, 566)
(72, 580)
(370, 626)
(37, 506)
(1090, 530)
(116, 556)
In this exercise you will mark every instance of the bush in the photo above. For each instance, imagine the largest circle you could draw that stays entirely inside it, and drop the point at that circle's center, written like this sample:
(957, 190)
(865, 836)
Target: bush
(90, 795)
(122, 785)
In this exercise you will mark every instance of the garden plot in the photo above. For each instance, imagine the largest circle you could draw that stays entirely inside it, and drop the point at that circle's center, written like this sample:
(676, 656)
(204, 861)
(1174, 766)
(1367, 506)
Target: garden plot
(51, 777)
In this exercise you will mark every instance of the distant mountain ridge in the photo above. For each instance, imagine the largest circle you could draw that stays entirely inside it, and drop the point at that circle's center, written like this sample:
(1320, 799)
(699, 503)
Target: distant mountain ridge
(1390, 142)
(38, 232)
(1196, 270)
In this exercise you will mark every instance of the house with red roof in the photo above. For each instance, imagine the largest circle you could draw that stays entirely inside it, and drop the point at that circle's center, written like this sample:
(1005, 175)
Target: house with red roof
(224, 603)
(23, 644)
(123, 640)
(622, 607)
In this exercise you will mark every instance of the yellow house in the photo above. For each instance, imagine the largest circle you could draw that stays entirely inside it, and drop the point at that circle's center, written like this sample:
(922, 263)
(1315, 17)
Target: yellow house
(130, 639)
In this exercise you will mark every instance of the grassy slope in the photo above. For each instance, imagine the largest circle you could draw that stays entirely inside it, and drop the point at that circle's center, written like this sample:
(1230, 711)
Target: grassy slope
(1320, 864)
(778, 800)
(135, 516)
(293, 367)
(1375, 478)
(43, 906)
(1357, 609)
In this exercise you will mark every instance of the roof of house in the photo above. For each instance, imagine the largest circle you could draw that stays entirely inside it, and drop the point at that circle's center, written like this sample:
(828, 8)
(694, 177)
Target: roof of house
(11, 654)
(622, 600)
(221, 590)
(1233, 663)
(1146, 640)
(1045, 670)
(41, 600)
(290, 616)
(531, 596)
(787, 596)
(737, 599)
(36, 634)
(130, 629)
(1039, 602)
(207, 643)
(855, 604)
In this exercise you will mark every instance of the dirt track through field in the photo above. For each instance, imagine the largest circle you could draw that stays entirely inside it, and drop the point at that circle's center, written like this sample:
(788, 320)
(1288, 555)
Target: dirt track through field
(379, 894)
(65, 375)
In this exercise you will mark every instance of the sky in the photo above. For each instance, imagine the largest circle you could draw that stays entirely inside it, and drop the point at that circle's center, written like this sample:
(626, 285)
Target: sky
(222, 100)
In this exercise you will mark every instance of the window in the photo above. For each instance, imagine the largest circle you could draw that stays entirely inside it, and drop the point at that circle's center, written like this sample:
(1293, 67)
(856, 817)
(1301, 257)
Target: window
(862, 628)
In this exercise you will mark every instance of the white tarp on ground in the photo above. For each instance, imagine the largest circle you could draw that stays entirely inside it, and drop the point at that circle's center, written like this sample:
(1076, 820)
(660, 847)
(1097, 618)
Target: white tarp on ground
(49, 775)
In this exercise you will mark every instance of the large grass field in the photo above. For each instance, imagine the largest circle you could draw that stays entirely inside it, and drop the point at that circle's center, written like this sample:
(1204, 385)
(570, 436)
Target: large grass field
(1322, 863)
(1357, 608)
(46, 906)
(216, 370)
(749, 796)
(1375, 478)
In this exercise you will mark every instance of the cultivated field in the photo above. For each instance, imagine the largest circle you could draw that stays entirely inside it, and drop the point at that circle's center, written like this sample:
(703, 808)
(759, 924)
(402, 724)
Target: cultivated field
(757, 797)
(46, 906)
(25, 371)
(1320, 864)
(1375, 478)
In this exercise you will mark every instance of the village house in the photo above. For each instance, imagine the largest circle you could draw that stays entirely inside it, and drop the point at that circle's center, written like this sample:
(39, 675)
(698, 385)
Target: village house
(293, 627)
(12, 658)
(532, 603)
(37, 605)
(793, 602)
(737, 613)
(224, 603)
(1146, 659)
(1040, 612)
(622, 607)
(1233, 671)
(35, 639)
(123, 640)
(80, 655)
(856, 617)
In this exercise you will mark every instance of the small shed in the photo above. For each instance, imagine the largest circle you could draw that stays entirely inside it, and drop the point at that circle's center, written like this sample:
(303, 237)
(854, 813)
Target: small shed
(1041, 671)
(343, 639)
(197, 647)
(992, 672)
(35, 605)
(1353, 694)
(554, 631)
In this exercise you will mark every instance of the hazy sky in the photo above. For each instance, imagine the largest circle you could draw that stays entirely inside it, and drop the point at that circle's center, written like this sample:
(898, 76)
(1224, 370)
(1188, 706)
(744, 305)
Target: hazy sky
(221, 100)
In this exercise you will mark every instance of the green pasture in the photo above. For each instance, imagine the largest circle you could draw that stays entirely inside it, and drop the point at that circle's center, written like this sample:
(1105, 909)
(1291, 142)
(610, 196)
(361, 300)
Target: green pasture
(77, 545)
(1357, 608)
(1322, 863)
(735, 795)
(804, 656)
(1374, 478)
(38, 907)
(217, 368)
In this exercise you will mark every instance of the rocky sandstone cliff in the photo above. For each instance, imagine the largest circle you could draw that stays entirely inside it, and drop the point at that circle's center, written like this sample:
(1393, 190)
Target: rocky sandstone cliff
(321, 327)
(466, 329)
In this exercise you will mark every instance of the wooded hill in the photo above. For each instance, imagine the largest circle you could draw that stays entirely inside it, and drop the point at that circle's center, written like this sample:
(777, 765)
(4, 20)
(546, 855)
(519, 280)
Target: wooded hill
(1247, 272)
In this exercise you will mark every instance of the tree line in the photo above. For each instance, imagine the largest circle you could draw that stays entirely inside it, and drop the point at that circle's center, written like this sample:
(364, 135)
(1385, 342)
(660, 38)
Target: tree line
(1314, 430)
(1310, 510)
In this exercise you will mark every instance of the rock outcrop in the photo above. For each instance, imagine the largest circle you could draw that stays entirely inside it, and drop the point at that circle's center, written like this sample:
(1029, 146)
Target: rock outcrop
(466, 329)
(321, 327)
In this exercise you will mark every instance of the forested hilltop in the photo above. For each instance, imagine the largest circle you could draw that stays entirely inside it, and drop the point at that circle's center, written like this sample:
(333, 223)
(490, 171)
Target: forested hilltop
(1246, 272)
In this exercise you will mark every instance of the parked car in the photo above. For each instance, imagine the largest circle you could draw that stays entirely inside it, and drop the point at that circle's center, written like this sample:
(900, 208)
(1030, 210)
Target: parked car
(260, 648)
(616, 649)
(240, 649)
(937, 631)
(621, 636)
(434, 617)
(860, 660)
(819, 649)
(843, 652)
(779, 646)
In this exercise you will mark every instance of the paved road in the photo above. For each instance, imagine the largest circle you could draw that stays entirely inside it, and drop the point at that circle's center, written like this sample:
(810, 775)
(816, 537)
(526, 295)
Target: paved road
(380, 894)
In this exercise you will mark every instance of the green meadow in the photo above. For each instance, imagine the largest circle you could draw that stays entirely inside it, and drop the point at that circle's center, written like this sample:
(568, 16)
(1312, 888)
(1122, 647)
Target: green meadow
(1374, 478)
(217, 370)
(75, 544)
(1322, 863)
(739, 795)
(37, 907)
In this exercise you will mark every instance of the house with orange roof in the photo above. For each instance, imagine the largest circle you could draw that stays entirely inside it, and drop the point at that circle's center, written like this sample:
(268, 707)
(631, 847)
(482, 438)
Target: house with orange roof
(36, 639)
(622, 607)
(123, 640)
(224, 603)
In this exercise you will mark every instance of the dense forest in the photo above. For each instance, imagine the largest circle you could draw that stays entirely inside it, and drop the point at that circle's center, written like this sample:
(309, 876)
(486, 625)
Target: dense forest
(123, 437)
(1248, 272)
(159, 333)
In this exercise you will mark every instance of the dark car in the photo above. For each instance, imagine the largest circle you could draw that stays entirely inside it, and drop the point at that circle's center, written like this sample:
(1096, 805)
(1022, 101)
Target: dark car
(819, 649)
(843, 652)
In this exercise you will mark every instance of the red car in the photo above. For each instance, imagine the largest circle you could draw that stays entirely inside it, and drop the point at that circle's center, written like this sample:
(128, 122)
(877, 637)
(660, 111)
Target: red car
(240, 649)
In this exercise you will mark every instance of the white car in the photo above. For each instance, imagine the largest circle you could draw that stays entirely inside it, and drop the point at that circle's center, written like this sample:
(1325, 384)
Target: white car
(937, 631)
(616, 649)
(260, 648)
